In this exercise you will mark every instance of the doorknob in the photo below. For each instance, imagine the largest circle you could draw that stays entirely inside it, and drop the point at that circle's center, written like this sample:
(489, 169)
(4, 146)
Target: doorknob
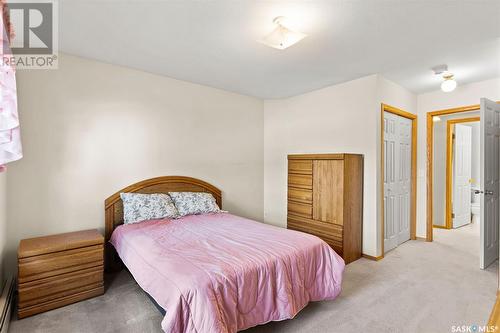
(485, 192)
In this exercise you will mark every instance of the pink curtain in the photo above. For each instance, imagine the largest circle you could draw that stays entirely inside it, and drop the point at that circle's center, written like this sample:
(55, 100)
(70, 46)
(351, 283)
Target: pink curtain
(10, 140)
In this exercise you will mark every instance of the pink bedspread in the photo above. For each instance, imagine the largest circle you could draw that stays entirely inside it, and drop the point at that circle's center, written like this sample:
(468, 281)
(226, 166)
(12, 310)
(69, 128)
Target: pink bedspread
(223, 273)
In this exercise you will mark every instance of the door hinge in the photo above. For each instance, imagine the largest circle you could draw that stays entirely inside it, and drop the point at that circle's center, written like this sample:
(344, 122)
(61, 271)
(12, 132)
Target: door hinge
(453, 136)
(452, 215)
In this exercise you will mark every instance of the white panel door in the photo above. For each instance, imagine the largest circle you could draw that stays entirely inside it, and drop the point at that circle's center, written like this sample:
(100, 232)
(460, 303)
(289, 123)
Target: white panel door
(404, 178)
(462, 173)
(397, 179)
(390, 199)
(490, 174)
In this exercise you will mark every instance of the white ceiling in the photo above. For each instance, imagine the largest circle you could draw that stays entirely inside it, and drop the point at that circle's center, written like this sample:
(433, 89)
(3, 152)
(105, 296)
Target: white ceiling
(213, 42)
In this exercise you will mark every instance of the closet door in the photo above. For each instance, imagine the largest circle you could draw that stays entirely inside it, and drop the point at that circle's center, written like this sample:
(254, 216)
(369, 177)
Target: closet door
(328, 191)
(390, 184)
(404, 178)
(397, 180)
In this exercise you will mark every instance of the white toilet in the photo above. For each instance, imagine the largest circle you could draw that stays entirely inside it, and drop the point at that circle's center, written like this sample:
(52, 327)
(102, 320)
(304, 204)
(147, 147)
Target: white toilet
(476, 211)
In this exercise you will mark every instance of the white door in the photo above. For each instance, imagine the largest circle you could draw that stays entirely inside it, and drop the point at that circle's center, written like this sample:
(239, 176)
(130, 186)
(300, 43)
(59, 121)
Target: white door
(397, 179)
(490, 174)
(462, 173)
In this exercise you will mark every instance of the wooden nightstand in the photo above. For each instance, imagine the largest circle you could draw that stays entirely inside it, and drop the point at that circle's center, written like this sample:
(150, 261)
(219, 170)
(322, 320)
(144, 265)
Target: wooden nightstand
(58, 270)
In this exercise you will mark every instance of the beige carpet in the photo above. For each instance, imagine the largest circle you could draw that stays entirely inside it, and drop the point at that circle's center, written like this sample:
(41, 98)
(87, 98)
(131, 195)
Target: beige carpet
(418, 287)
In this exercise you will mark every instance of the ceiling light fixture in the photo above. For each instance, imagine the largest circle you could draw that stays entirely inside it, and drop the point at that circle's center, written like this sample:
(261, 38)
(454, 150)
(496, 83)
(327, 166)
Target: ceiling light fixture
(449, 84)
(282, 37)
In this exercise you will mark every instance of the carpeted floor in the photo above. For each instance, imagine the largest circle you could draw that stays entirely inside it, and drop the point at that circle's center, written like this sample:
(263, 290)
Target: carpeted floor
(418, 287)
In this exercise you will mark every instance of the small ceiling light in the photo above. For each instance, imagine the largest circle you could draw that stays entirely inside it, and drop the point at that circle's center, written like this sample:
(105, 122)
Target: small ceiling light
(436, 119)
(449, 84)
(282, 37)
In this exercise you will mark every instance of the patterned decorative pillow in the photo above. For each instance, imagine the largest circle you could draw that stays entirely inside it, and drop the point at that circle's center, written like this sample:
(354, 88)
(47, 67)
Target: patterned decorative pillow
(139, 207)
(192, 203)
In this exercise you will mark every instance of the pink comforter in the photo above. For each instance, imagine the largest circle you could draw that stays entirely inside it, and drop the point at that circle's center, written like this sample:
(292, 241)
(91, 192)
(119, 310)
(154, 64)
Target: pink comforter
(223, 273)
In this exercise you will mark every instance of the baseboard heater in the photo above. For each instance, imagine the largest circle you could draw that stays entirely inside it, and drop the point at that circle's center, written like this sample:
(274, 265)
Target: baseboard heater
(6, 303)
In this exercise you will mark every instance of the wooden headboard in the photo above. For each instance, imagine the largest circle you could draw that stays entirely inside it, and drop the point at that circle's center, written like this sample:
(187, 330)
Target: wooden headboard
(114, 206)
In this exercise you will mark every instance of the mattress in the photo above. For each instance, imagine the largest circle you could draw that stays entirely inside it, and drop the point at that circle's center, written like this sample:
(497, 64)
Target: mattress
(224, 273)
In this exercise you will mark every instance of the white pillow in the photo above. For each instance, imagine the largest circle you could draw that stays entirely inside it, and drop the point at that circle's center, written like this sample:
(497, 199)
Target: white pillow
(191, 203)
(139, 207)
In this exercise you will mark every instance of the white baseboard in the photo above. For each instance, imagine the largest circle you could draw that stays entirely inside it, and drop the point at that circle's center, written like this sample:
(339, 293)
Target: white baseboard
(6, 304)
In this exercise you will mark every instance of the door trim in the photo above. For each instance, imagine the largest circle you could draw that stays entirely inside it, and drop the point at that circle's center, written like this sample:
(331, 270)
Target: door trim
(430, 160)
(413, 199)
(450, 124)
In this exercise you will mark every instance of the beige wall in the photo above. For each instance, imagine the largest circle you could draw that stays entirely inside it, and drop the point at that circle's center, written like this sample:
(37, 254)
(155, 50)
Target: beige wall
(90, 128)
(340, 118)
(464, 95)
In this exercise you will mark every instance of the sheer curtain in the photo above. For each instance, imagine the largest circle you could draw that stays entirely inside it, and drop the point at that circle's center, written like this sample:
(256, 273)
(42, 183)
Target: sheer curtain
(10, 140)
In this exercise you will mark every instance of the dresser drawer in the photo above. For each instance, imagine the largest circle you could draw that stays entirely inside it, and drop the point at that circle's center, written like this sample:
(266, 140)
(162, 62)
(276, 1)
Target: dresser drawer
(300, 209)
(300, 195)
(300, 166)
(300, 181)
(335, 243)
(54, 287)
(80, 295)
(52, 264)
(329, 232)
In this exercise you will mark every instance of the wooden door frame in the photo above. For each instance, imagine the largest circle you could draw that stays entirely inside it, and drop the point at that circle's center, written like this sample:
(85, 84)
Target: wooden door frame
(450, 124)
(430, 160)
(413, 197)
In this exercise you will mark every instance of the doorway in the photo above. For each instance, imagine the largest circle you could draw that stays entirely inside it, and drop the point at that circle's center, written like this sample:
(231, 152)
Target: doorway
(488, 187)
(432, 119)
(398, 151)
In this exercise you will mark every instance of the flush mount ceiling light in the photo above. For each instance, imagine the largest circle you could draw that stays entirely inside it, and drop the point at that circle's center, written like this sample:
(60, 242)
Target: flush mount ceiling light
(282, 37)
(449, 84)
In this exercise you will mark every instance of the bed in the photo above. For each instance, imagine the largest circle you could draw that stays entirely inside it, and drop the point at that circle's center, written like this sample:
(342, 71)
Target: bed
(219, 272)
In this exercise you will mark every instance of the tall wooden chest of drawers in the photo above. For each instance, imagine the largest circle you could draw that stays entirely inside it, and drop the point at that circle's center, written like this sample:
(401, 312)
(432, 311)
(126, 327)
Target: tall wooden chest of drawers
(325, 198)
(57, 270)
